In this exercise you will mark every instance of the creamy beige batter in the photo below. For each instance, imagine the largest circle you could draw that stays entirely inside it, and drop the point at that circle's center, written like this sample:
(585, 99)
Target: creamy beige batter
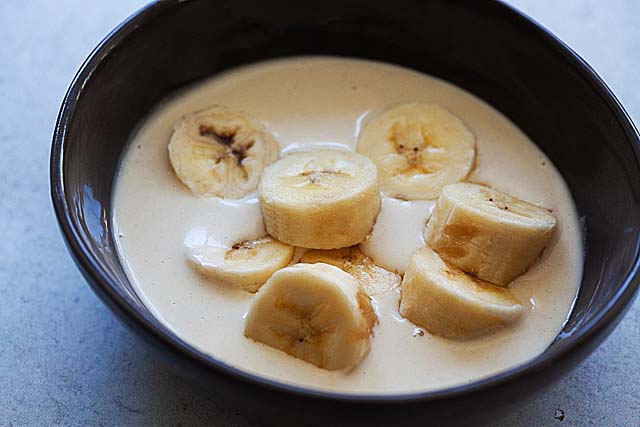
(324, 102)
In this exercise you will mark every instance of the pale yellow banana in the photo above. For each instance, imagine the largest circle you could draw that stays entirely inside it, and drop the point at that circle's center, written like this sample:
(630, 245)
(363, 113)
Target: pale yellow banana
(418, 148)
(315, 312)
(221, 152)
(246, 264)
(451, 303)
(487, 233)
(321, 199)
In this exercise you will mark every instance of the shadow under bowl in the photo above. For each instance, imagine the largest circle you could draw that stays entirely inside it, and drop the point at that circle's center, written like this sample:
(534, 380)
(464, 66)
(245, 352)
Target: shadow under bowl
(486, 48)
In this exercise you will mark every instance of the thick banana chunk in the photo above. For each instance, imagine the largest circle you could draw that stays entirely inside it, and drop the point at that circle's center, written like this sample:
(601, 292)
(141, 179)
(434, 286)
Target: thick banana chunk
(419, 148)
(246, 264)
(221, 152)
(315, 312)
(488, 233)
(373, 278)
(451, 303)
(321, 199)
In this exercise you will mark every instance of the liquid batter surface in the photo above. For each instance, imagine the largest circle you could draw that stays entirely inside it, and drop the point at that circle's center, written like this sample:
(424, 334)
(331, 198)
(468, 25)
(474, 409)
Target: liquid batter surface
(323, 102)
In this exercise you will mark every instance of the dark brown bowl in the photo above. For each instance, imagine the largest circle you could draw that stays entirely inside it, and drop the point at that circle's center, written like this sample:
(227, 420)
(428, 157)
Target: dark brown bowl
(485, 47)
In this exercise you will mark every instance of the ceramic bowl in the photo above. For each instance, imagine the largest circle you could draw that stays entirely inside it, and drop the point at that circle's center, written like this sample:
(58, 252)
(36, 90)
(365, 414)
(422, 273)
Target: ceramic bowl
(484, 47)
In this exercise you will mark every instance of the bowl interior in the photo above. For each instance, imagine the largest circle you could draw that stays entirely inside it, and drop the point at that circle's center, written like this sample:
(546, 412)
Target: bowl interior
(485, 48)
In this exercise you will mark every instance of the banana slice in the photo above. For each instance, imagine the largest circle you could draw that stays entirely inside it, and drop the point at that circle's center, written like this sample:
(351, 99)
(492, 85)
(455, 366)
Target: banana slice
(488, 233)
(373, 279)
(315, 312)
(246, 264)
(321, 199)
(221, 152)
(450, 303)
(419, 148)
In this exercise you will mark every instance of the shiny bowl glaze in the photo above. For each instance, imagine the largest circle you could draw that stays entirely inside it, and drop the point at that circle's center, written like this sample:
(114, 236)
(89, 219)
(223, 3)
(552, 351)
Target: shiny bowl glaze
(485, 47)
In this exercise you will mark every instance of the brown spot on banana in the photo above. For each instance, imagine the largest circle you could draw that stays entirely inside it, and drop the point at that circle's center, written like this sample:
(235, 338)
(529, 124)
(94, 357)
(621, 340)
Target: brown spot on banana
(228, 138)
(225, 137)
(364, 303)
(453, 250)
(461, 231)
(457, 235)
(251, 244)
(410, 141)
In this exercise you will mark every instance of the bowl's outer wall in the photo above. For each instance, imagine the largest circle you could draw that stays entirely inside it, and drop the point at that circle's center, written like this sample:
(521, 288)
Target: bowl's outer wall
(483, 47)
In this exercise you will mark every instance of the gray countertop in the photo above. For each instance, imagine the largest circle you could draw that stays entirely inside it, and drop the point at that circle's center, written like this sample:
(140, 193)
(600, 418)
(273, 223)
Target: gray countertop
(65, 360)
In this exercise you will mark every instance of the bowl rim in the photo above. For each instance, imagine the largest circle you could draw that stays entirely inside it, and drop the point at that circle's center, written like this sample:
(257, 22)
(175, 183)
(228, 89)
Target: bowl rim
(117, 300)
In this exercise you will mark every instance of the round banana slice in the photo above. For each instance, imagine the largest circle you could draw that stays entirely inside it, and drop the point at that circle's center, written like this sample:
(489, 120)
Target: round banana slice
(246, 264)
(487, 233)
(315, 312)
(321, 199)
(450, 303)
(418, 148)
(371, 277)
(221, 152)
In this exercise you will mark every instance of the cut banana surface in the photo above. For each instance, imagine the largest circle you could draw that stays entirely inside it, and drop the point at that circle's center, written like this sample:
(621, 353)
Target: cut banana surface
(451, 303)
(487, 233)
(246, 264)
(321, 199)
(221, 152)
(371, 277)
(315, 312)
(419, 148)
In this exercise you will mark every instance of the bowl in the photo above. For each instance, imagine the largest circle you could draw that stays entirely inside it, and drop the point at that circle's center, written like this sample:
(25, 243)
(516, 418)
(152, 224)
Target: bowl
(486, 48)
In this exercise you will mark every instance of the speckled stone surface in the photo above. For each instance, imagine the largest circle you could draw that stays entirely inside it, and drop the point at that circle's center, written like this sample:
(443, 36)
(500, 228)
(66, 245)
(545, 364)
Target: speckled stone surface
(66, 361)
